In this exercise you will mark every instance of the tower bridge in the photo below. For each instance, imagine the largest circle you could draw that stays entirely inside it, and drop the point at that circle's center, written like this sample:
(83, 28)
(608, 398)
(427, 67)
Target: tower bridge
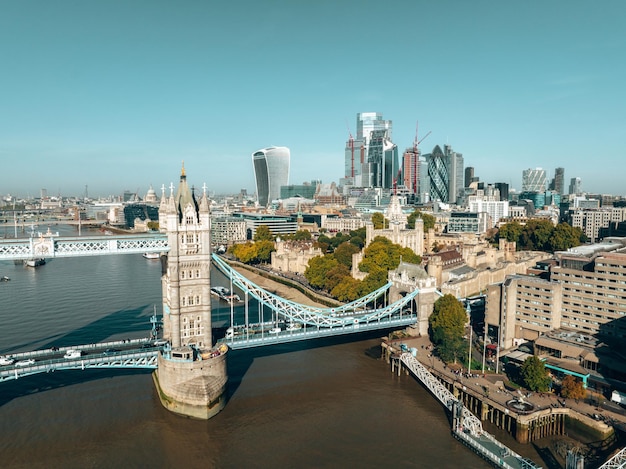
(190, 371)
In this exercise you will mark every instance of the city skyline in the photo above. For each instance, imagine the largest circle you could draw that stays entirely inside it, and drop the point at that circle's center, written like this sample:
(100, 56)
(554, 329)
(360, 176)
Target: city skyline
(112, 96)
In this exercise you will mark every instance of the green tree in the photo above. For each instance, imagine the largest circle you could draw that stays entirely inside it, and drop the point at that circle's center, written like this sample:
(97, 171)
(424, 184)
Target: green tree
(378, 255)
(347, 290)
(335, 275)
(383, 254)
(540, 231)
(447, 327)
(323, 242)
(357, 241)
(565, 236)
(318, 269)
(245, 253)
(510, 231)
(535, 375)
(263, 233)
(379, 221)
(302, 235)
(264, 251)
(344, 253)
(572, 388)
(337, 240)
(359, 233)
(429, 220)
(374, 280)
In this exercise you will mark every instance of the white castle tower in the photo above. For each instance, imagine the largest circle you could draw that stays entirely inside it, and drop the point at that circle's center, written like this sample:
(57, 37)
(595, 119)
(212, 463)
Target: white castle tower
(191, 377)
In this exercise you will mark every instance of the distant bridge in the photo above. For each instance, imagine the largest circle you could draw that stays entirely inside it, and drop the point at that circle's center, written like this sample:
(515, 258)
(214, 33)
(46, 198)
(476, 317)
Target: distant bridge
(50, 246)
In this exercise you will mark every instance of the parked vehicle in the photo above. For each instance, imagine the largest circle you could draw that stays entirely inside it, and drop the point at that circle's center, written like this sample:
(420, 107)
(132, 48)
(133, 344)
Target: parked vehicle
(618, 397)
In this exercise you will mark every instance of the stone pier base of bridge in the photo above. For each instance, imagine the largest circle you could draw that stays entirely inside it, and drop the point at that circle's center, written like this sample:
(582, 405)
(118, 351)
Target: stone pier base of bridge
(192, 388)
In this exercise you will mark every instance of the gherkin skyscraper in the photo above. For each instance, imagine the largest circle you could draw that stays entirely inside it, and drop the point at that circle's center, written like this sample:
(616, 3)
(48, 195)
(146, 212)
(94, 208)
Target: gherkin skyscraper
(438, 175)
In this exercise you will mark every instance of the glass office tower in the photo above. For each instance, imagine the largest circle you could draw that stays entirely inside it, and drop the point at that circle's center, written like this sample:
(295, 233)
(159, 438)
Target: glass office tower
(271, 171)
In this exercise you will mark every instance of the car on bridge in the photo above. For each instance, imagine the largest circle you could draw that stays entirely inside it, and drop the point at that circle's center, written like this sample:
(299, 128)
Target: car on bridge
(160, 342)
(72, 354)
(27, 362)
(6, 361)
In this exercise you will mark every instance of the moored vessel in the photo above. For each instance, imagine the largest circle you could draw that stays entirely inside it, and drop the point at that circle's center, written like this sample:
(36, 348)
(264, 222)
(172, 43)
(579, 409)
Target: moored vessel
(35, 262)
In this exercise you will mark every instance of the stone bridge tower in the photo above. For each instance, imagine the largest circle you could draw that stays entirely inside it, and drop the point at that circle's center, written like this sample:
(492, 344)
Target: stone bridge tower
(407, 278)
(191, 377)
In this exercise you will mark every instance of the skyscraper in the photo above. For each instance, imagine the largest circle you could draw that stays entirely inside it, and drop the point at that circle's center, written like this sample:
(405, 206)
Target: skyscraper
(469, 175)
(575, 186)
(454, 165)
(534, 180)
(559, 181)
(382, 157)
(358, 168)
(271, 171)
(503, 187)
(438, 175)
(410, 170)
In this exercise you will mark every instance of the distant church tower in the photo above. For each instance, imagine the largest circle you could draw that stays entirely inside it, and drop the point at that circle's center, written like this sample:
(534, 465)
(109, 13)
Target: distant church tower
(191, 377)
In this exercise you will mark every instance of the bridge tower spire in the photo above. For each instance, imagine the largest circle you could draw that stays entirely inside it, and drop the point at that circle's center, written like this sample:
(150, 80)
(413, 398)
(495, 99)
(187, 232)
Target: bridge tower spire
(191, 377)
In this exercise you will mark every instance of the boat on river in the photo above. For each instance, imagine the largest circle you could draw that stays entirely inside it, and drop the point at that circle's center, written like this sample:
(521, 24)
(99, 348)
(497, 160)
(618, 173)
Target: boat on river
(151, 255)
(35, 262)
(4, 278)
(225, 294)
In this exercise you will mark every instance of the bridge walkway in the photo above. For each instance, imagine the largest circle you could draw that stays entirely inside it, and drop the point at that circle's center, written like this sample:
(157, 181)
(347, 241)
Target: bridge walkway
(466, 426)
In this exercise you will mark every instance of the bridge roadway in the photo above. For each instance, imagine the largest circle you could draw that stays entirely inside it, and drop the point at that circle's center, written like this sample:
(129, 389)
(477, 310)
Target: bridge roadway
(251, 337)
(466, 427)
(134, 353)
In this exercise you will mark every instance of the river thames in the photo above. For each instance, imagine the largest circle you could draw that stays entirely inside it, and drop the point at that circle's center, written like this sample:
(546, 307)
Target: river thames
(322, 404)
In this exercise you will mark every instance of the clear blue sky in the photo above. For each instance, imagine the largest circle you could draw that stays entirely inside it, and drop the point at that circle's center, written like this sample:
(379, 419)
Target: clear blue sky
(115, 94)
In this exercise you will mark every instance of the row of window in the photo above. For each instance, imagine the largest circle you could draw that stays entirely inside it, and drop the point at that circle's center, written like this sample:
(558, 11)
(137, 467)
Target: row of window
(189, 274)
(189, 238)
(190, 300)
(191, 327)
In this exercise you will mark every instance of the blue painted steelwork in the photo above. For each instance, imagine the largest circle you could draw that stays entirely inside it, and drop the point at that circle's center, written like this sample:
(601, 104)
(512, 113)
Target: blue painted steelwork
(138, 358)
(259, 339)
(75, 246)
(314, 321)
(618, 461)
(466, 426)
